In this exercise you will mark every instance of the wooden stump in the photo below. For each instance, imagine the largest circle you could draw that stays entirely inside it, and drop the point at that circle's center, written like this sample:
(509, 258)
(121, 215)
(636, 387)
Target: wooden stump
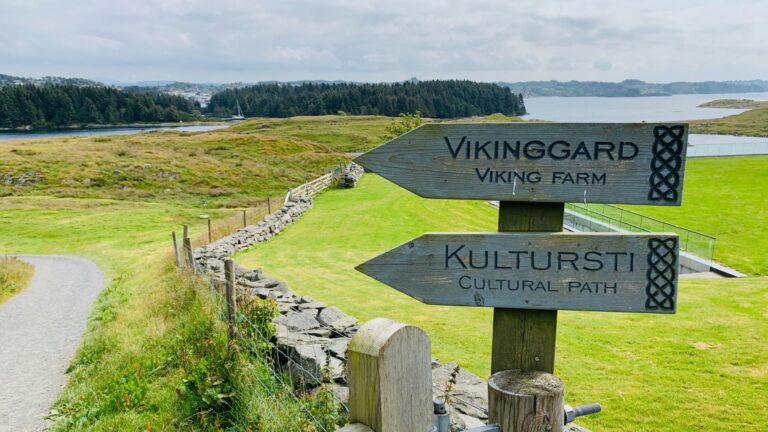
(390, 377)
(526, 401)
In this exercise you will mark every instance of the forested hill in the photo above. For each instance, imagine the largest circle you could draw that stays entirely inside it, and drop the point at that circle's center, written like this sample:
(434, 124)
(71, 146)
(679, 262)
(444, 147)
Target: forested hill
(50, 106)
(437, 99)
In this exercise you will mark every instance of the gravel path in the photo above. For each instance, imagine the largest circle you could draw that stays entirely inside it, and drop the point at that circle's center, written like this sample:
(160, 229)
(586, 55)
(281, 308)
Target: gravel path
(40, 330)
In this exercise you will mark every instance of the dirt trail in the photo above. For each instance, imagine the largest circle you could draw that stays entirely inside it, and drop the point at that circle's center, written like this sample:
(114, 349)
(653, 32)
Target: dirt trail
(40, 330)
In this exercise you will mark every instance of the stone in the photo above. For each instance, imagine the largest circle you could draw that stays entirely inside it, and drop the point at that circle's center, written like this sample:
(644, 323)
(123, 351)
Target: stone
(330, 314)
(297, 321)
(306, 363)
(342, 324)
(253, 275)
(312, 305)
(468, 387)
(283, 288)
(323, 332)
(338, 347)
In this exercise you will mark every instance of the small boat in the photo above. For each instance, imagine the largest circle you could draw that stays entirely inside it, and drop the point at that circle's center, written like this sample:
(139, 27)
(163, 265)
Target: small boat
(239, 115)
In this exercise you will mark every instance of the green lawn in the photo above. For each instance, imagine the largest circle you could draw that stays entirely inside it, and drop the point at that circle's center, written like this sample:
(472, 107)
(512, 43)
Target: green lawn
(128, 374)
(705, 368)
(725, 197)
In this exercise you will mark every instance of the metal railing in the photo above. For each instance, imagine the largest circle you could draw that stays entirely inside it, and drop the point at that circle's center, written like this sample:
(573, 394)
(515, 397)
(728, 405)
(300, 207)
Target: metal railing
(606, 217)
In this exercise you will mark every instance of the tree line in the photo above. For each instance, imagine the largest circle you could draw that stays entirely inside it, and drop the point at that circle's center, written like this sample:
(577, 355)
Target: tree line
(50, 106)
(437, 99)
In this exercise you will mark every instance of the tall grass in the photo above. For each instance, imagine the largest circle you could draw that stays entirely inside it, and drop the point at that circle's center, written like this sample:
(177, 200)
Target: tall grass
(14, 276)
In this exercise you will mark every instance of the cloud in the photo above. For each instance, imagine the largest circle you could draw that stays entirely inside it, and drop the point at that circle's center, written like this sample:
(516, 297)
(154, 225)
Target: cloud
(490, 40)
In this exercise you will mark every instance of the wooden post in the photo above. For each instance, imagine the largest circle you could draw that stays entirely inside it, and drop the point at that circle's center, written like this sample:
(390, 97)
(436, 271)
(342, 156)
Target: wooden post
(390, 377)
(188, 253)
(245, 223)
(522, 338)
(210, 238)
(229, 274)
(526, 401)
(185, 232)
(269, 204)
(176, 249)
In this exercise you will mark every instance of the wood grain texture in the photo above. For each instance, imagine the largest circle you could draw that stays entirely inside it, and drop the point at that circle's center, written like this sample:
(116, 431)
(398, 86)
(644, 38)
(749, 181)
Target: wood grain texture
(230, 295)
(526, 338)
(433, 162)
(526, 401)
(574, 271)
(390, 377)
(188, 255)
(176, 249)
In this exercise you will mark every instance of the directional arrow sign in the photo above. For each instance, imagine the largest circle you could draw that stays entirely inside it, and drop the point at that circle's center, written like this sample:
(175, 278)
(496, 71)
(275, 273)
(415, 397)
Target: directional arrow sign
(587, 271)
(639, 163)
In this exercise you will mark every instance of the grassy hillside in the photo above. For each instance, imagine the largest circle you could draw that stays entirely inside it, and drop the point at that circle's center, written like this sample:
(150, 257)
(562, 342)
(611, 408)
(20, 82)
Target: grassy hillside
(702, 369)
(735, 103)
(750, 123)
(14, 276)
(225, 168)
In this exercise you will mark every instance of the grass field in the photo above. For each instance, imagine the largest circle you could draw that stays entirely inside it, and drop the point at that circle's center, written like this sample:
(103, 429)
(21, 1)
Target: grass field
(750, 123)
(705, 368)
(14, 276)
(141, 187)
(735, 103)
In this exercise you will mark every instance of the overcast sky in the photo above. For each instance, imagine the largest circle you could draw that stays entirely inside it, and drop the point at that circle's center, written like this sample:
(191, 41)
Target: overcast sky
(387, 40)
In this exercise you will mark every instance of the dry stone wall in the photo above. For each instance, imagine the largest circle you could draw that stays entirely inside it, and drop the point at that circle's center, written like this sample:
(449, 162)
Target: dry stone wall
(311, 335)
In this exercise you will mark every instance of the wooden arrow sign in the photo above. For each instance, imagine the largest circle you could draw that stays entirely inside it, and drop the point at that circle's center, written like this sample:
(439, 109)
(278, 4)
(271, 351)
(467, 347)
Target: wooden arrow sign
(620, 163)
(586, 271)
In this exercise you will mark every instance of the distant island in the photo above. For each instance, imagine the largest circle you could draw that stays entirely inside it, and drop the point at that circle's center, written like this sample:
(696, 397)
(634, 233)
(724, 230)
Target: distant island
(632, 88)
(735, 104)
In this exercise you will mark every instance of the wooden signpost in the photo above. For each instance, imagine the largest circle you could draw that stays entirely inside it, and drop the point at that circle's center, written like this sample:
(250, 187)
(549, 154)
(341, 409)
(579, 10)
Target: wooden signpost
(535, 270)
(538, 162)
(587, 271)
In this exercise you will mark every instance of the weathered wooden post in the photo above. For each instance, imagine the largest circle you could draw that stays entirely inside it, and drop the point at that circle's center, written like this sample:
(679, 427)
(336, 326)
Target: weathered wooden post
(525, 338)
(185, 232)
(269, 204)
(531, 269)
(520, 400)
(176, 249)
(230, 295)
(189, 255)
(390, 378)
(245, 223)
(210, 237)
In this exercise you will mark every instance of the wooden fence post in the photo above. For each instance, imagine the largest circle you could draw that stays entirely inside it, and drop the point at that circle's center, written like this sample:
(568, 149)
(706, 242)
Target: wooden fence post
(390, 377)
(526, 401)
(188, 255)
(269, 204)
(245, 223)
(210, 238)
(176, 249)
(525, 338)
(185, 232)
(229, 273)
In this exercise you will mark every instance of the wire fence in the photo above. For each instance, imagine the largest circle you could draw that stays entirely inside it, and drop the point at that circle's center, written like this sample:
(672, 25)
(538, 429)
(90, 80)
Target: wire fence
(606, 217)
(294, 396)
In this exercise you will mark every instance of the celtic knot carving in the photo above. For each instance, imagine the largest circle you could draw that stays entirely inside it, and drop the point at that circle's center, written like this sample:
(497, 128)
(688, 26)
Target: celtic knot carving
(668, 147)
(661, 274)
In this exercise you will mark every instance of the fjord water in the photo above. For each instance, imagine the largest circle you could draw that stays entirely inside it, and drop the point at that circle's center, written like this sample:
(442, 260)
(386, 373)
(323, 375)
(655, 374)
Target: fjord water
(73, 133)
(631, 109)
(654, 109)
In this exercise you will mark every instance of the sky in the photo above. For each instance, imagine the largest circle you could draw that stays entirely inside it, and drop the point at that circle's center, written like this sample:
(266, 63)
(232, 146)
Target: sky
(386, 40)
